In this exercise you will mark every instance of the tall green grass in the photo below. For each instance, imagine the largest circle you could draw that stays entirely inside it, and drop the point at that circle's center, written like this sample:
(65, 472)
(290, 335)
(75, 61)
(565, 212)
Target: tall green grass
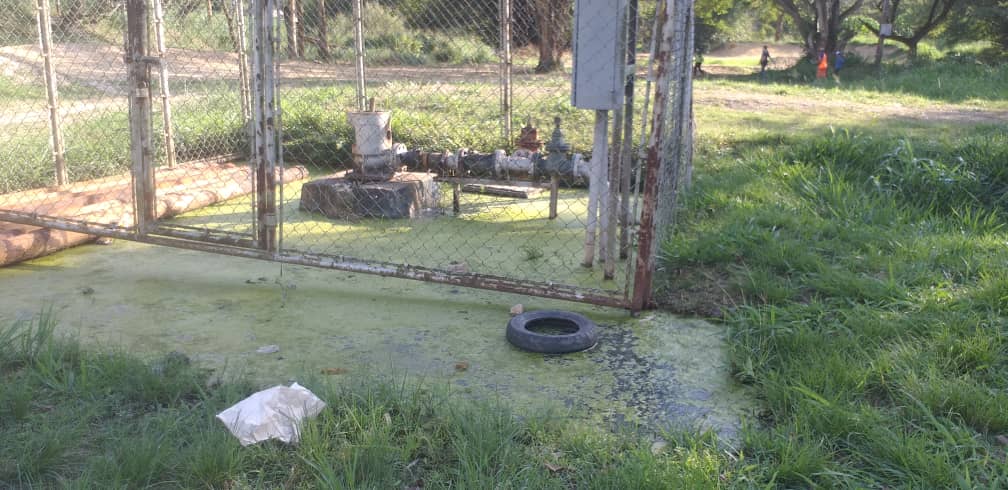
(864, 291)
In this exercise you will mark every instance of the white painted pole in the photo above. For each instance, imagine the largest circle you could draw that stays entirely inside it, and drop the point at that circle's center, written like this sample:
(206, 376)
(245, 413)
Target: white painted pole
(599, 164)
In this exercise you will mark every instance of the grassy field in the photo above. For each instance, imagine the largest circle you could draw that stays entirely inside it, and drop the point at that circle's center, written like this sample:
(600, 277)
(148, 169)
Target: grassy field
(858, 257)
(861, 267)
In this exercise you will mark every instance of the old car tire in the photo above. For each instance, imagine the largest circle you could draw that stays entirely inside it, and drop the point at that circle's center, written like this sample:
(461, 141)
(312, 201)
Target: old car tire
(581, 332)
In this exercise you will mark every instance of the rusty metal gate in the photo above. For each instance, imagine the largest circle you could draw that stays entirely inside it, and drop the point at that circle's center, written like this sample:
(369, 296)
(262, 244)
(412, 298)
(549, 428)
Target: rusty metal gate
(406, 139)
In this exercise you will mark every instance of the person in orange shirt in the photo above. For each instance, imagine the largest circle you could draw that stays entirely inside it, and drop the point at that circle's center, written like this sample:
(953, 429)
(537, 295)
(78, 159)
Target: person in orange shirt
(823, 65)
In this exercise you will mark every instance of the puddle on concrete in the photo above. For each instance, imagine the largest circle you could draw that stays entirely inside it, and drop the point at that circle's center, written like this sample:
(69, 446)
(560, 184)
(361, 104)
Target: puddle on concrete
(658, 369)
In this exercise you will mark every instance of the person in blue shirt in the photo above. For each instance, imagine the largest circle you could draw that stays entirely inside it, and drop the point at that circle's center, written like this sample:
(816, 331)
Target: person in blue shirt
(838, 62)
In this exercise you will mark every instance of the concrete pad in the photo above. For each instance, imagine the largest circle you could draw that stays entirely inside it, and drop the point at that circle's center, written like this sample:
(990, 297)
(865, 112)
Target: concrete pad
(659, 369)
(405, 195)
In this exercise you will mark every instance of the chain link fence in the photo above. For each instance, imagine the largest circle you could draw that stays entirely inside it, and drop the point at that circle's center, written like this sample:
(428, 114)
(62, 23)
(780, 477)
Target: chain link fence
(412, 138)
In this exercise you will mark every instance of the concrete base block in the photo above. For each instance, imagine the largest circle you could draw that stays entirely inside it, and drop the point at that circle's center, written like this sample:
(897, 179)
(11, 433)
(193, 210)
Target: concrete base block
(406, 195)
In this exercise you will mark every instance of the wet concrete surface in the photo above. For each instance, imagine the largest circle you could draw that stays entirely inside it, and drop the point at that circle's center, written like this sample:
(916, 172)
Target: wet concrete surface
(658, 369)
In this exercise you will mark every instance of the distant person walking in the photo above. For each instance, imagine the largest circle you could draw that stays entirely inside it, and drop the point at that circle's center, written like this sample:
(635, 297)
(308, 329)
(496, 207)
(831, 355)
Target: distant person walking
(823, 65)
(764, 60)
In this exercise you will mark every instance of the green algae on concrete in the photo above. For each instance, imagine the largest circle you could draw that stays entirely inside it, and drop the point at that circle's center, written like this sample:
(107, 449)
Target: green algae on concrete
(218, 310)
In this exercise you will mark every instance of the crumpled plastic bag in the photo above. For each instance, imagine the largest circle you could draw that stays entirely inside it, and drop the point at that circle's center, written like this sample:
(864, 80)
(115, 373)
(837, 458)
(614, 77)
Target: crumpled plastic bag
(274, 413)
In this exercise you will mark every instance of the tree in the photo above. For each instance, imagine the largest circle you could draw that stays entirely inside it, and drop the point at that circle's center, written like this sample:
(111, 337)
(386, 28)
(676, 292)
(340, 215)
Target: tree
(914, 20)
(553, 19)
(980, 20)
(821, 22)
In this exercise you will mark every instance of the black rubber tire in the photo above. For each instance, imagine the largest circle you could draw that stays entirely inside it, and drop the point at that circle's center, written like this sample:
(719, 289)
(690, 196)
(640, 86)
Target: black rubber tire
(585, 336)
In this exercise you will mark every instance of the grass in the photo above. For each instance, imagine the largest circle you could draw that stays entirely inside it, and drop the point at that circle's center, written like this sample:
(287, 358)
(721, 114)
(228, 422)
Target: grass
(73, 418)
(861, 276)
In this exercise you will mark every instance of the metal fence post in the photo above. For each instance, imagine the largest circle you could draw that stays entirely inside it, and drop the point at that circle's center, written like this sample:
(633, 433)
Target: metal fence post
(626, 157)
(141, 152)
(45, 45)
(264, 116)
(169, 131)
(358, 13)
(505, 70)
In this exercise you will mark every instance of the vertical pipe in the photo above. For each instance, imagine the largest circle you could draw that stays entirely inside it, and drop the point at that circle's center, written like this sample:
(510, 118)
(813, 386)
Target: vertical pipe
(613, 179)
(456, 191)
(49, 72)
(506, 65)
(599, 164)
(169, 131)
(242, 50)
(141, 154)
(358, 13)
(626, 157)
(554, 195)
(264, 100)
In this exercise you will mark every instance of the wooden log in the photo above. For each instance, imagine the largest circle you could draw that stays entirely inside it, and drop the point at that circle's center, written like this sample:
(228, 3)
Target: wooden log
(520, 192)
(36, 242)
(187, 192)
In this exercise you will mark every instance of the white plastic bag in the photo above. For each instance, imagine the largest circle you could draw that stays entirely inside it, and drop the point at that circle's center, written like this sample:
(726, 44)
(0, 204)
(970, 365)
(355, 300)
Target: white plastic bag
(275, 413)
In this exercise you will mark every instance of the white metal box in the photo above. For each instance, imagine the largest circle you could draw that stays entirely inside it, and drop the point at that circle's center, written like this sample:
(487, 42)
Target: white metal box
(599, 54)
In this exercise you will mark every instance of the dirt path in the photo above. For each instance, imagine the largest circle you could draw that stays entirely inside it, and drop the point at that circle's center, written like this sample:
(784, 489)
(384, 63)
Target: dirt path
(762, 102)
(100, 67)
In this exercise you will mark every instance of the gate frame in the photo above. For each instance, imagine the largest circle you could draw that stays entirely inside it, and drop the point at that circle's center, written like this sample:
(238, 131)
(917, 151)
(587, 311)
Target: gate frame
(669, 151)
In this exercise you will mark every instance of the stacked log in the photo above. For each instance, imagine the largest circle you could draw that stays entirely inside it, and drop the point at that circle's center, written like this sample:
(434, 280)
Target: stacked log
(109, 201)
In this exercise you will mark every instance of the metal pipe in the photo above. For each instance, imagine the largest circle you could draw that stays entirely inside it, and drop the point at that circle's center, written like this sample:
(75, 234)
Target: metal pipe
(169, 131)
(358, 12)
(626, 157)
(599, 163)
(52, 94)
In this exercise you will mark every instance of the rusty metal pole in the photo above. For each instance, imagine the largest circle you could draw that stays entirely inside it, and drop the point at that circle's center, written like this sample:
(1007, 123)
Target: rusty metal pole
(49, 72)
(358, 13)
(169, 131)
(505, 70)
(265, 119)
(141, 152)
(644, 268)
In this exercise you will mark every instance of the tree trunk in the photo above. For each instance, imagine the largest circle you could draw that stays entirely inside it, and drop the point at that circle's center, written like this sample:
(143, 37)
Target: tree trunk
(323, 41)
(779, 28)
(291, 22)
(552, 20)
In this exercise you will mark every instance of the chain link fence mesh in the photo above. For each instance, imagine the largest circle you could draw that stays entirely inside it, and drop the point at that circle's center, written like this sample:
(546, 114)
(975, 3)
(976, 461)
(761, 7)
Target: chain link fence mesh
(459, 79)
